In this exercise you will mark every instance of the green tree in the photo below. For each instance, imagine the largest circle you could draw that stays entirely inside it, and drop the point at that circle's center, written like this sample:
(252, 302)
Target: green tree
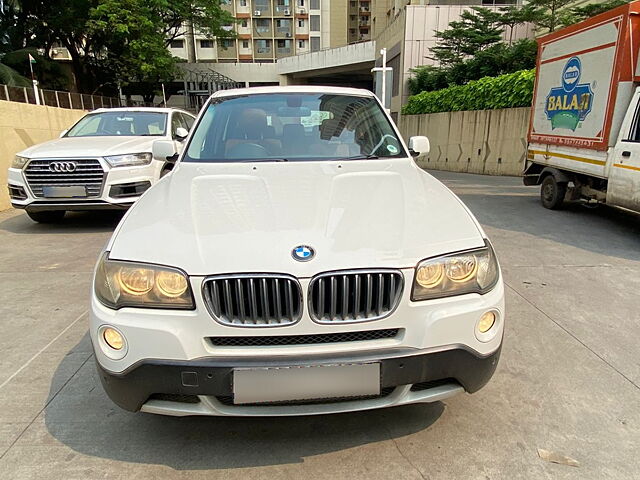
(115, 42)
(478, 29)
(548, 14)
(578, 14)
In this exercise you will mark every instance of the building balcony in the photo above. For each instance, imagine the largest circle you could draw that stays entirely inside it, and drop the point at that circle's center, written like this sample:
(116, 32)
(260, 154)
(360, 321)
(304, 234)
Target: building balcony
(227, 52)
(263, 32)
(262, 52)
(262, 10)
(283, 10)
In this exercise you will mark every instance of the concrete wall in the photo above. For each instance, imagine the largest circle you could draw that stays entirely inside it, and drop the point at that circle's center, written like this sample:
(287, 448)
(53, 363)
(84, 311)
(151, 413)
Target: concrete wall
(23, 125)
(491, 142)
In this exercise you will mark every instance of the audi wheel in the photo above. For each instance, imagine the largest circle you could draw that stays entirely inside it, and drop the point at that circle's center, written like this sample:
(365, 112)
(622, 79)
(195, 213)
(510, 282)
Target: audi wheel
(47, 216)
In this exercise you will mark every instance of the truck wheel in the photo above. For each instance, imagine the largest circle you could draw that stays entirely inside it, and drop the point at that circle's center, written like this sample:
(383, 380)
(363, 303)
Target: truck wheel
(47, 216)
(552, 193)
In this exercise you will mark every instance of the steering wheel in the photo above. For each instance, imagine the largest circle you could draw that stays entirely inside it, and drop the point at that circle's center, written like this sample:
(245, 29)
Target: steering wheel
(248, 151)
(380, 143)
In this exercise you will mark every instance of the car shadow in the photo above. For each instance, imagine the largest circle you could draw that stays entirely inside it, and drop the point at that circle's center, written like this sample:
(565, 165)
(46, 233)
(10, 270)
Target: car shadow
(82, 417)
(504, 203)
(82, 222)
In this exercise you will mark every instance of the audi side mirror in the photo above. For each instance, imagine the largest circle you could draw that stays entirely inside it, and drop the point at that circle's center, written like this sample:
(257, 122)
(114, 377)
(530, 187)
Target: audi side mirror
(163, 149)
(419, 145)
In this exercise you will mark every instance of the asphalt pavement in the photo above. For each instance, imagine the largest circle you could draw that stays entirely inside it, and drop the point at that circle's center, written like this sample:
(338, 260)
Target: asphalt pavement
(568, 380)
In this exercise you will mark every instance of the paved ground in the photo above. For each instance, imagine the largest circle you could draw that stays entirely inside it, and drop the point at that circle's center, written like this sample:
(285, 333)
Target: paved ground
(567, 382)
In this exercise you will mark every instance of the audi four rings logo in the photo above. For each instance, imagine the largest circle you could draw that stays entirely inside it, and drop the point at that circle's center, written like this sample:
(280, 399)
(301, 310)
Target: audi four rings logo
(60, 167)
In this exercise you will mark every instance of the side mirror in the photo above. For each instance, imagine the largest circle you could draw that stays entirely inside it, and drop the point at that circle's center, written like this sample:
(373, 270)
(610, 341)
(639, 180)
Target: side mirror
(419, 145)
(163, 149)
(181, 133)
(63, 133)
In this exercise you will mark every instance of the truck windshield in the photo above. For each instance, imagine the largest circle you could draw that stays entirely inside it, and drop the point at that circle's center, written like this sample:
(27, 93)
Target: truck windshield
(293, 127)
(109, 124)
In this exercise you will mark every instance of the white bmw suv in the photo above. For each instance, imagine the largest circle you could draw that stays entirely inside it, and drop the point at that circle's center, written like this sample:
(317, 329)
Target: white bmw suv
(103, 162)
(297, 261)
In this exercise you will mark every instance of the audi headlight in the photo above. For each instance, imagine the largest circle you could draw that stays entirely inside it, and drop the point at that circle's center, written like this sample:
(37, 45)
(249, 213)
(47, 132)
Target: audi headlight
(129, 160)
(473, 271)
(128, 284)
(19, 162)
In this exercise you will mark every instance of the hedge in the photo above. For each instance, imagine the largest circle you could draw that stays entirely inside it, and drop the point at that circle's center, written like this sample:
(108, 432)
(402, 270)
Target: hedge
(488, 93)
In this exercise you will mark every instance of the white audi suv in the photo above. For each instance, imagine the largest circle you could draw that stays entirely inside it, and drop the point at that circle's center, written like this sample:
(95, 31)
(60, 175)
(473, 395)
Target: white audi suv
(104, 161)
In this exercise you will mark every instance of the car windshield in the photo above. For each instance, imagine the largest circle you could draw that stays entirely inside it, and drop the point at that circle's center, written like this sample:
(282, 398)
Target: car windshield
(293, 127)
(112, 124)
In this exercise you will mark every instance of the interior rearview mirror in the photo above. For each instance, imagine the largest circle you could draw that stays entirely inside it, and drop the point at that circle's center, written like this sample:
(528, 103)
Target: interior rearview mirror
(163, 149)
(181, 133)
(419, 145)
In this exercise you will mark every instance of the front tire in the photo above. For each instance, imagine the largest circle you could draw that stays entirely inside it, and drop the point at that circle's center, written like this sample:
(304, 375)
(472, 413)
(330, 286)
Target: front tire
(47, 216)
(552, 193)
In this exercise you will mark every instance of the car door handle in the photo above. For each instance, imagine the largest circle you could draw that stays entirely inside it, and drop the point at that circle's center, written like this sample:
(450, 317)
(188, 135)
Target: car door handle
(626, 154)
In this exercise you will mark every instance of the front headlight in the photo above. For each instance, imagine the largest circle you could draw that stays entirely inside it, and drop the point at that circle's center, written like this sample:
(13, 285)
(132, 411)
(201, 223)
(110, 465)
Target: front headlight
(129, 160)
(19, 162)
(473, 271)
(127, 284)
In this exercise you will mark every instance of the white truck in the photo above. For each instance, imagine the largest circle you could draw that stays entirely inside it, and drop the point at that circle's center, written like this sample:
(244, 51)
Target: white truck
(584, 133)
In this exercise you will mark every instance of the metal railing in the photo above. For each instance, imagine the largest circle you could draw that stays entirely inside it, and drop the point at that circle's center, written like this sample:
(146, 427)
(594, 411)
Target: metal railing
(61, 99)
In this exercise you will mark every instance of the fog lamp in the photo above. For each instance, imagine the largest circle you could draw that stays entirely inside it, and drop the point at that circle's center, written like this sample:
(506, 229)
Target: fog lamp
(113, 338)
(487, 320)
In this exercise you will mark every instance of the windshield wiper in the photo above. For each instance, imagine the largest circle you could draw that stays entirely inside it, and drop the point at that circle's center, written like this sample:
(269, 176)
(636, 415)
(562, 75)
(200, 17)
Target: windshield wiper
(360, 157)
(251, 160)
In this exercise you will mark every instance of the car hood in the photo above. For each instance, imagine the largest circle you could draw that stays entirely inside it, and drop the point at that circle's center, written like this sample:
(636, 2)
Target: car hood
(89, 147)
(247, 217)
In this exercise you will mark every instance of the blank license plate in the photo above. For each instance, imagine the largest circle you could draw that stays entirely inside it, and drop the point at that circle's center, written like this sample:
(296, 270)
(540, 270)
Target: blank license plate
(278, 384)
(65, 192)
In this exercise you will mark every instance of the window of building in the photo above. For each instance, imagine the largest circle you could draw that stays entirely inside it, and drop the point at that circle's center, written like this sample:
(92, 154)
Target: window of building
(263, 25)
(206, 43)
(282, 3)
(315, 44)
(244, 24)
(352, 18)
(301, 3)
(227, 43)
(354, 4)
(314, 4)
(225, 2)
(243, 3)
(314, 23)
(263, 46)
(301, 44)
(177, 44)
(301, 23)
(245, 44)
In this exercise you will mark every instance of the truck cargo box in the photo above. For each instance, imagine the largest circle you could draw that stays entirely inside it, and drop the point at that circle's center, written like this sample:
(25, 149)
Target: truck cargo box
(584, 72)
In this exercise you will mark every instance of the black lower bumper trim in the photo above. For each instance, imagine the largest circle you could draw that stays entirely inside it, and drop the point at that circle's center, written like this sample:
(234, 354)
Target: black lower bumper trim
(72, 206)
(131, 389)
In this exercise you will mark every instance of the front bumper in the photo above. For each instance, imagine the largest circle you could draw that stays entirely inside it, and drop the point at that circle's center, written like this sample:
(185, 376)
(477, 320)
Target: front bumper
(205, 387)
(111, 196)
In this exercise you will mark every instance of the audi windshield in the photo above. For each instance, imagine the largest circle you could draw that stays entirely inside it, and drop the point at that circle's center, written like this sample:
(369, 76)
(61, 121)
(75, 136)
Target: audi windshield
(293, 127)
(119, 123)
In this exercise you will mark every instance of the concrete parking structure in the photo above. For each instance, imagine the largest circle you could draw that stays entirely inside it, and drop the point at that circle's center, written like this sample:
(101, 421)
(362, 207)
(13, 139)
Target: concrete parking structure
(567, 381)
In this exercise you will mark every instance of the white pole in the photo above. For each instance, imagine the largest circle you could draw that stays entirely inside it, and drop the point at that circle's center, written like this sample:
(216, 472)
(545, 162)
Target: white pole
(164, 97)
(36, 93)
(383, 52)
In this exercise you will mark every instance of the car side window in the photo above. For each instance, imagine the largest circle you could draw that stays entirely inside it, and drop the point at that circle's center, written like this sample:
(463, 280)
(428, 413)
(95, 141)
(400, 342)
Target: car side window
(634, 134)
(176, 122)
(188, 120)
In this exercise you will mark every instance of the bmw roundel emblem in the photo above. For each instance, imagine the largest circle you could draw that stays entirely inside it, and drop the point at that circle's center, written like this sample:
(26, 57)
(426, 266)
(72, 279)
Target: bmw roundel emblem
(303, 253)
